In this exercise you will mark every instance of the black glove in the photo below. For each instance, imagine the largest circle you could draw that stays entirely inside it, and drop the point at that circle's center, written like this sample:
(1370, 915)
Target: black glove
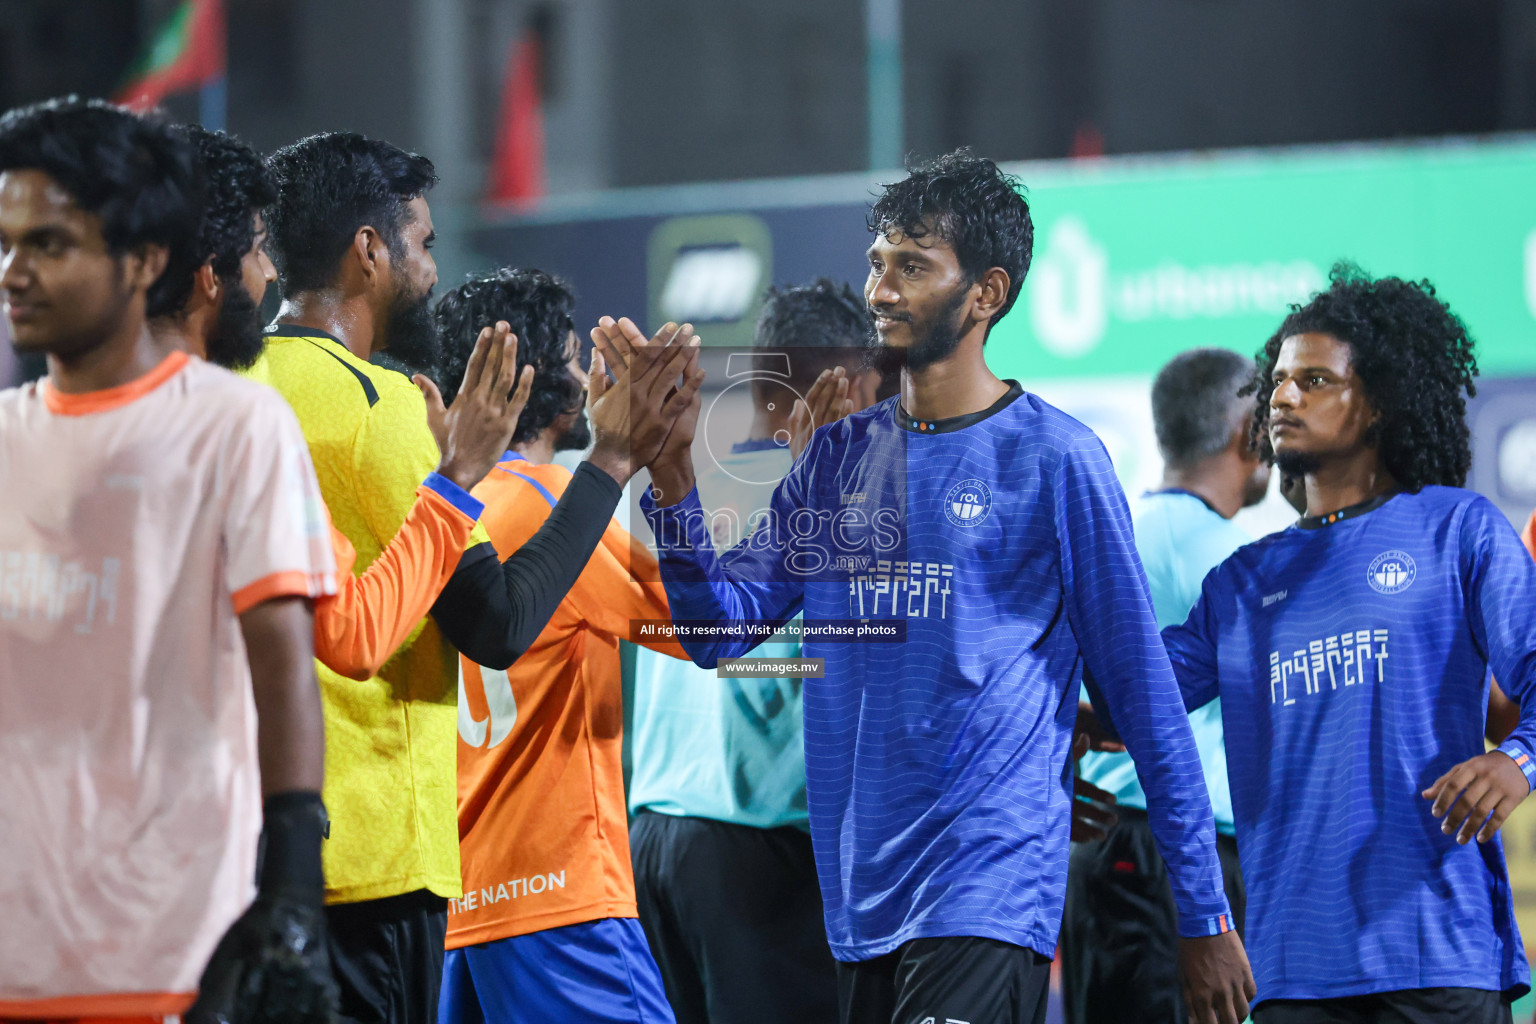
(272, 967)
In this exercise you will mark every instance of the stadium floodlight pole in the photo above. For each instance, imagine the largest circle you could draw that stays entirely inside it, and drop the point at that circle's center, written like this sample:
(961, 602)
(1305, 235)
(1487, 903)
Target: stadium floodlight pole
(883, 20)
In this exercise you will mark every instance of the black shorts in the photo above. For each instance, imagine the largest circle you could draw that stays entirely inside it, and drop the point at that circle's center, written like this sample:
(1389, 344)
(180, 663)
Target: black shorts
(387, 956)
(733, 916)
(958, 980)
(1120, 932)
(1406, 1006)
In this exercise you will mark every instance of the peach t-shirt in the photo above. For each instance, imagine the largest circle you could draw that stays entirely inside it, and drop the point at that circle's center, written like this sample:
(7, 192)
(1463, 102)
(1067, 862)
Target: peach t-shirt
(136, 525)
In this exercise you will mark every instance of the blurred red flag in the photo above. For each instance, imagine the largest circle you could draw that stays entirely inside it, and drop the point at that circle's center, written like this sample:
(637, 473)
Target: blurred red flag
(189, 51)
(517, 165)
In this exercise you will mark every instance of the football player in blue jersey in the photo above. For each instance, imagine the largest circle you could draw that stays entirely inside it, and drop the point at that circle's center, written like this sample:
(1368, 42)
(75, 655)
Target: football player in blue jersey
(986, 533)
(1351, 655)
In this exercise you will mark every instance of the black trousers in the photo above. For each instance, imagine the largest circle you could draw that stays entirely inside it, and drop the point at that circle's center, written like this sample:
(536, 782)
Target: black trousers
(958, 980)
(733, 916)
(387, 955)
(1119, 934)
(1406, 1006)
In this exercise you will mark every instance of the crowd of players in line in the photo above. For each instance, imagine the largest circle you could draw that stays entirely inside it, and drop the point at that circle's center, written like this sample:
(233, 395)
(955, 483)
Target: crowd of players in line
(185, 552)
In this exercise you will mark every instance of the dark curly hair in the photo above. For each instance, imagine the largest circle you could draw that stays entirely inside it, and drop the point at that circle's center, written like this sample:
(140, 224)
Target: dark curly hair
(236, 187)
(132, 172)
(1415, 361)
(329, 186)
(816, 325)
(966, 201)
(538, 308)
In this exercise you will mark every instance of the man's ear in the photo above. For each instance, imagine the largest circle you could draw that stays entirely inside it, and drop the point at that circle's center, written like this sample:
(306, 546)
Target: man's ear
(146, 264)
(372, 254)
(206, 284)
(993, 294)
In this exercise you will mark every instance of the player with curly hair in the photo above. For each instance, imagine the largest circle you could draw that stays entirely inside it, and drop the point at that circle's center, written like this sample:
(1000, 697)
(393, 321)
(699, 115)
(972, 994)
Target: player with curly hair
(986, 536)
(542, 826)
(1351, 654)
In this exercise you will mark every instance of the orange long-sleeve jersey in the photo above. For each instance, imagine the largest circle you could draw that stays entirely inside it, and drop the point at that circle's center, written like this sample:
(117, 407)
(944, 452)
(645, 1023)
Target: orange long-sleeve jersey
(371, 615)
(1529, 535)
(543, 828)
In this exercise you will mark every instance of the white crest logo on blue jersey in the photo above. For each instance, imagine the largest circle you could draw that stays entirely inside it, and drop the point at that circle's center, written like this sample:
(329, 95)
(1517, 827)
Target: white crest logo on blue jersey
(1391, 572)
(968, 502)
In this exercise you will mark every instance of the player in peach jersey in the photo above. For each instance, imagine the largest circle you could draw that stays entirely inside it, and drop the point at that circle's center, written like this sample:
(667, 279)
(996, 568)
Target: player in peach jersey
(371, 614)
(160, 544)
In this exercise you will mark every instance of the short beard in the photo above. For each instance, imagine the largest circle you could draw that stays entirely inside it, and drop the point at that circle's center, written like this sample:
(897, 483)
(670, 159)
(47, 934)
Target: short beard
(411, 336)
(577, 437)
(237, 338)
(1297, 464)
(941, 341)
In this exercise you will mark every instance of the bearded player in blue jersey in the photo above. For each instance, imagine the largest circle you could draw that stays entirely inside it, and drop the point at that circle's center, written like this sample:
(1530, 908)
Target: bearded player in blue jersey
(987, 529)
(1351, 655)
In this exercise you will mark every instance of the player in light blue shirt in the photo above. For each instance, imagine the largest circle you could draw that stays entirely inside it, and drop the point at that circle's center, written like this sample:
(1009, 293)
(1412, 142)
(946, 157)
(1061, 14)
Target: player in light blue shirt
(1119, 937)
(978, 541)
(724, 872)
(1351, 655)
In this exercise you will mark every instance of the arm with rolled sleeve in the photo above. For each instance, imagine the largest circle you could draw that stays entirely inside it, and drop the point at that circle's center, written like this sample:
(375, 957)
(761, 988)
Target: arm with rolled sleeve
(1106, 600)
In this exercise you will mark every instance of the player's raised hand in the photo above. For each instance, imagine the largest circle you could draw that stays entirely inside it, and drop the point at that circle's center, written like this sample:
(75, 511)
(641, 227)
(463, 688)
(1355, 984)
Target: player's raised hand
(1217, 982)
(618, 339)
(633, 414)
(1476, 797)
(829, 399)
(474, 433)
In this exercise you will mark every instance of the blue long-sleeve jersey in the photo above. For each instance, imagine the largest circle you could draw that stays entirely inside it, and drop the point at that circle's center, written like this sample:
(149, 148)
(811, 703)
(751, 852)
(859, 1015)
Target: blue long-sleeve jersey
(938, 768)
(1351, 656)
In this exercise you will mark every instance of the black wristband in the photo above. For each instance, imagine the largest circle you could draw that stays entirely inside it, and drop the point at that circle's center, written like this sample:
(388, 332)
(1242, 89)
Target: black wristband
(293, 825)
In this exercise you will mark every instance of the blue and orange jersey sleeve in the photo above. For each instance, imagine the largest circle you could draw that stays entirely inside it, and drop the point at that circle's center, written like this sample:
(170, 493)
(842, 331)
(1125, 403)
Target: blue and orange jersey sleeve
(371, 615)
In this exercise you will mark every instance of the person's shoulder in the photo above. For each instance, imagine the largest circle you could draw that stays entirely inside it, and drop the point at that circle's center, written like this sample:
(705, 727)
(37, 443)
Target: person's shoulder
(1435, 498)
(221, 388)
(515, 482)
(308, 358)
(857, 425)
(15, 397)
(1054, 436)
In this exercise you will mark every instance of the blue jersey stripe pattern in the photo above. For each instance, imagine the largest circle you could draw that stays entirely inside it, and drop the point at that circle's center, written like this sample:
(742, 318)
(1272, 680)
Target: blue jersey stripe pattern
(1352, 664)
(938, 768)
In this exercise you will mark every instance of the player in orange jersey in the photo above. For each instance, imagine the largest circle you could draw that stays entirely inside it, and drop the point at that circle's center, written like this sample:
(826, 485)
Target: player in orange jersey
(547, 928)
(371, 614)
(160, 544)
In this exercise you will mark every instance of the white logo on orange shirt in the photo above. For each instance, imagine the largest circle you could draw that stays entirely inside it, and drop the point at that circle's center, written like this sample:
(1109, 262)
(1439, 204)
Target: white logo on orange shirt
(515, 888)
(500, 705)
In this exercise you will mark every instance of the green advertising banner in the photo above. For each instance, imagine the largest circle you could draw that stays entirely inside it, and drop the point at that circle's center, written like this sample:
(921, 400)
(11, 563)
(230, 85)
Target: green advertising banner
(1137, 262)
